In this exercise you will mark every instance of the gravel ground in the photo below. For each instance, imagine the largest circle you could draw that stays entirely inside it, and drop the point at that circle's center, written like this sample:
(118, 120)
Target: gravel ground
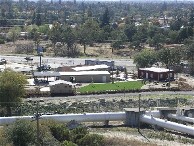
(125, 135)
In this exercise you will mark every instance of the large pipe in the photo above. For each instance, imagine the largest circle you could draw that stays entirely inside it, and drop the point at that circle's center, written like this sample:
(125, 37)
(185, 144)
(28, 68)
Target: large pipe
(9, 120)
(154, 113)
(86, 117)
(181, 118)
(167, 124)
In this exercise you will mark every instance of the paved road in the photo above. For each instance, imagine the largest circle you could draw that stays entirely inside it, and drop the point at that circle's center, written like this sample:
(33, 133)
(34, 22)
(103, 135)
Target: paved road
(113, 95)
(62, 60)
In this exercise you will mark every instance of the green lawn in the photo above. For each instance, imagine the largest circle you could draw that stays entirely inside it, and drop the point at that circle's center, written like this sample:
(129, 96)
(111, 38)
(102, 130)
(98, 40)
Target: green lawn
(109, 86)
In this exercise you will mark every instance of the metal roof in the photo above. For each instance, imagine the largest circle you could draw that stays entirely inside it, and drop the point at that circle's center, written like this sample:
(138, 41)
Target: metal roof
(84, 73)
(46, 74)
(93, 67)
(60, 82)
(155, 69)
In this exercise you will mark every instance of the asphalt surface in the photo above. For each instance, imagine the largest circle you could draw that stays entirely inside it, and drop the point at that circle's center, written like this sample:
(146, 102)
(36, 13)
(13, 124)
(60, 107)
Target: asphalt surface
(68, 61)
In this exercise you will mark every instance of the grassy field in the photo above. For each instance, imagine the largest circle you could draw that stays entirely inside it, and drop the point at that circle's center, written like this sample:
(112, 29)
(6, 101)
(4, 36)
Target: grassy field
(109, 86)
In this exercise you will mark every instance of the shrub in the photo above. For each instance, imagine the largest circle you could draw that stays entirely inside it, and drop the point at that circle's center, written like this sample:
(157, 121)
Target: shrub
(78, 133)
(68, 143)
(60, 132)
(2, 41)
(91, 140)
(21, 133)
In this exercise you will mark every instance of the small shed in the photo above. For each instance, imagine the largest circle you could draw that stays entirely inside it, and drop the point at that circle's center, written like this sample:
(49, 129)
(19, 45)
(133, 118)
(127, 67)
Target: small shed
(61, 87)
(157, 74)
(86, 76)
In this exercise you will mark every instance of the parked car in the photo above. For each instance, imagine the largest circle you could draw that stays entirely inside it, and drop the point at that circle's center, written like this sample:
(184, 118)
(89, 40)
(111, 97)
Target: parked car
(28, 58)
(3, 61)
(44, 68)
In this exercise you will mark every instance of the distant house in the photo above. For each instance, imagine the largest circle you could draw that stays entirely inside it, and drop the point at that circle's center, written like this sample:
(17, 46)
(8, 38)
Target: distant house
(157, 74)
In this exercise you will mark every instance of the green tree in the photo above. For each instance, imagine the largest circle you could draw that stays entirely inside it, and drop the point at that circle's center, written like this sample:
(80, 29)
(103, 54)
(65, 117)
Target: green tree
(22, 133)
(105, 18)
(11, 89)
(43, 29)
(173, 36)
(170, 56)
(14, 33)
(191, 18)
(36, 37)
(146, 58)
(69, 37)
(55, 33)
(88, 33)
(130, 31)
(158, 40)
(189, 52)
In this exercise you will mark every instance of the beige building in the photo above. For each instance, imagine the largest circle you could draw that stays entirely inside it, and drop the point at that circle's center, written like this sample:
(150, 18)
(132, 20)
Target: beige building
(62, 87)
(86, 76)
(78, 76)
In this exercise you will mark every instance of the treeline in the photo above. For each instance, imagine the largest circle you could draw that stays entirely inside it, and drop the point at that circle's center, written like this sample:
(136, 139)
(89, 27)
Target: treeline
(126, 25)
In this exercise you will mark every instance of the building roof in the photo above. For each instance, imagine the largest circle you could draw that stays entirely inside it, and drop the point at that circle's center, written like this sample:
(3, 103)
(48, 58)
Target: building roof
(84, 73)
(155, 69)
(93, 67)
(46, 74)
(60, 82)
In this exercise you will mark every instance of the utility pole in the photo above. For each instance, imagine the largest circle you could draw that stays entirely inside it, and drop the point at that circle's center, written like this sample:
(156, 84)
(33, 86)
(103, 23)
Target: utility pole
(139, 112)
(112, 75)
(37, 117)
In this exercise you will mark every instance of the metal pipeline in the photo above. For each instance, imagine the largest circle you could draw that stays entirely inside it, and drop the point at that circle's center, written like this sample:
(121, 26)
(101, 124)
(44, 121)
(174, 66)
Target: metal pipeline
(181, 118)
(154, 113)
(108, 116)
(167, 124)
(86, 117)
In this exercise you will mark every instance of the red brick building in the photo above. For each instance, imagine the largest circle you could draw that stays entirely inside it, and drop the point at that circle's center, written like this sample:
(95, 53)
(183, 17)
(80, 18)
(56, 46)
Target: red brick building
(157, 74)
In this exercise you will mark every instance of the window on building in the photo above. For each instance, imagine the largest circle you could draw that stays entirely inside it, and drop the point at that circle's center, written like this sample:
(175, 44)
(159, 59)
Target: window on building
(161, 75)
(151, 75)
(170, 75)
(142, 73)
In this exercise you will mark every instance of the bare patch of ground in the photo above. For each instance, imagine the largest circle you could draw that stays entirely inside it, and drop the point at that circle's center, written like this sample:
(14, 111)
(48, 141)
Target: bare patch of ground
(119, 138)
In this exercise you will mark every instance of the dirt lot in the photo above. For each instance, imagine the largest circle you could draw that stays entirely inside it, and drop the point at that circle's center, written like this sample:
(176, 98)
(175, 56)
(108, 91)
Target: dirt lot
(96, 51)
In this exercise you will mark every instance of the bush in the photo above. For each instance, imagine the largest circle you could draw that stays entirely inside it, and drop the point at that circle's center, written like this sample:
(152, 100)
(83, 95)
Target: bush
(60, 132)
(21, 133)
(2, 41)
(91, 140)
(78, 133)
(68, 143)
